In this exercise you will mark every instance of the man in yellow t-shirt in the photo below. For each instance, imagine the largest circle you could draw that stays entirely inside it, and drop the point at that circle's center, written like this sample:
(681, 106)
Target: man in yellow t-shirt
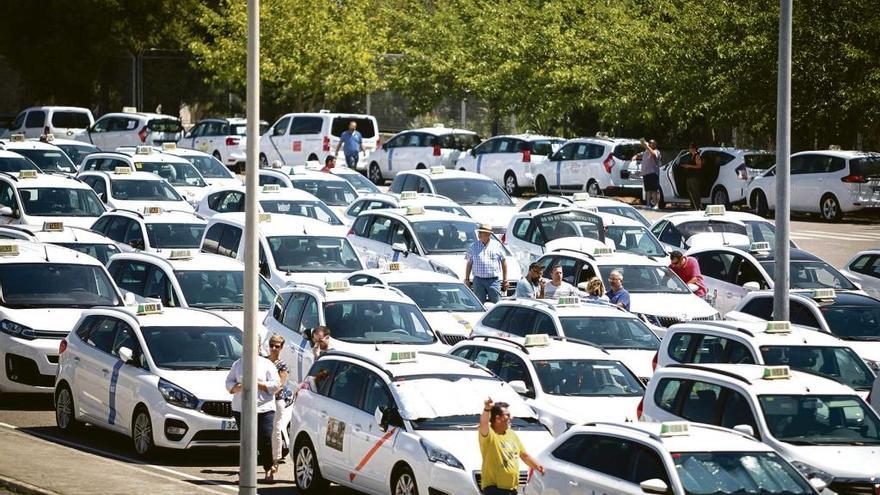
(501, 451)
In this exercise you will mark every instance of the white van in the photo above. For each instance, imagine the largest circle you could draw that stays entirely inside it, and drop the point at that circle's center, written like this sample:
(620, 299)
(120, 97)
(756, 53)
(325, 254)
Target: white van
(62, 121)
(300, 137)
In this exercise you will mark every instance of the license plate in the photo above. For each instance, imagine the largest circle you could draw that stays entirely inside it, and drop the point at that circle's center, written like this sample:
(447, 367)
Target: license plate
(229, 424)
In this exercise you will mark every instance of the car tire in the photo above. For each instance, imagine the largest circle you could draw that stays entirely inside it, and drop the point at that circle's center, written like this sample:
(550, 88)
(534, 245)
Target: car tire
(264, 162)
(541, 185)
(511, 186)
(376, 174)
(142, 433)
(403, 482)
(306, 471)
(720, 197)
(593, 189)
(829, 208)
(759, 204)
(65, 410)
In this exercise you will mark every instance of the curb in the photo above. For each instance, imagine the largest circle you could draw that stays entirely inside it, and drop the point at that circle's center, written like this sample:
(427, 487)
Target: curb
(23, 488)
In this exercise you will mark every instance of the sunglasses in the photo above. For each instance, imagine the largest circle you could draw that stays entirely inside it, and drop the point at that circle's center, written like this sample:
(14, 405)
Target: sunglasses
(276, 346)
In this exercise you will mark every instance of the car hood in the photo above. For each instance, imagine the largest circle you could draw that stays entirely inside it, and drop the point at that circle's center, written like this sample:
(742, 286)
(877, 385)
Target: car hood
(453, 322)
(682, 306)
(637, 360)
(579, 410)
(496, 216)
(59, 320)
(204, 384)
(315, 278)
(841, 461)
(463, 444)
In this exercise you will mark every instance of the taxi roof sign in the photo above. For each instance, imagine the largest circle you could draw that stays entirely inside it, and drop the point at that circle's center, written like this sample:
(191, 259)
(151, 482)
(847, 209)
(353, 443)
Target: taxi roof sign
(337, 285)
(600, 251)
(398, 357)
(713, 210)
(776, 373)
(152, 210)
(824, 294)
(8, 249)
(409, 195)
(143, 150)
(264, 217)
(122, 170)
(581, 196)
(16, 138)
(129, 109)
(568, 301)
(675, 429)
(153, 308)
(169, 146)
(27, 174)
(394, 266)
(271, 188)
(759, 247)
(438, 170)
(778, 327)
(313, 165)
(537, 340)
(415, 210)
(53, 226)
(180, 254)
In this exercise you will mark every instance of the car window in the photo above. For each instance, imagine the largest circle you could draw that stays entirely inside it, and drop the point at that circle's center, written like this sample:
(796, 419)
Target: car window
(321, 376)
(117, 228)
(567, 152)
(376, 395)
(102, 335)
(700, 403)
(520, 321)
(802, 315)
(130, 275)
(310, 314)
(488, 358)
(292, 312)
(397, 184)
(230, 241)
(159, 287)
(608, 455)
(379, 230)
(35, 119)
(465, 352)
(365, 125)
(306, 125)
(717, 265)
(737, 411)
(521, 227)
(19, 121)
(648, 466)
(125, 337)
(762, 307)
(211, 243)
(514, 369)
(678, 346)
(666, 395)
(711, 349)
(363, 280)
(348, 384)
(360, 225)
(866, 264)
(232, 201)
(279, 128)
(671, 235)
(544, 324)
(495, 317)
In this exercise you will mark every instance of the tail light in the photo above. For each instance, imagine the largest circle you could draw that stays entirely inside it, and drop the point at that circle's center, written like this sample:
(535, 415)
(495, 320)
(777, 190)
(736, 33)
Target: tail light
(62, 346)
(527, 156)
(608, 163)
(232, 141)
(351, 231)
(504, 238)
(654, 361)
(378, 142)
(436, 150)
(854, 179)
(640, 408)
(143, 134)
(326, 143)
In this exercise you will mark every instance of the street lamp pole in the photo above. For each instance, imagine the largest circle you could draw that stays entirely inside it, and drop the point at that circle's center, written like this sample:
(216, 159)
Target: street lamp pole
(783, 166)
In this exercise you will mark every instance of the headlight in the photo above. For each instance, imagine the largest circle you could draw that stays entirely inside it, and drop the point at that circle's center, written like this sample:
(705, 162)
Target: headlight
(442, 269)
(811, 472)
(650, 319)
(176, 395)
(17, 330)
(436, 454)
(874, 365)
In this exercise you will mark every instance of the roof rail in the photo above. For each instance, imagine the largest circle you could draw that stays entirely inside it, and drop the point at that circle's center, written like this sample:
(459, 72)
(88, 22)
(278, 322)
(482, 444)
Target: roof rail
(579, 341)
(559, 250)
(114, 210)
(350, 355)
(383, 286)
(653, 436)
(710, 370)
(7, 174)
(18, 228)
(721, 324)
(184, 211)
(501, 339)
(723, 429)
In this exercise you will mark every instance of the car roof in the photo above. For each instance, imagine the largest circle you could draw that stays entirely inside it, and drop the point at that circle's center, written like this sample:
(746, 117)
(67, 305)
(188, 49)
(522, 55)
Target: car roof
(621, 258)
(426, 363)
(700, 437)
(49, 180)
(597, 309)
(4, 153)
(556, 348)
(195, 262)
(427, 216)
(148, 115)
(153, 156)
(612, 219)
(67, 142)
(134, 175)
(840, 298)
(680, 217)
(440, 130)
(70, 234)
(846, 154)
(750, 376)
(406, 275)
(794, 254)
(327, 113)
(38, 252)
(282, 225)
(28, 144)
(353, 293)
(56, 107)
(604, 139)
(527, 136)
(757, 332)
(450, 174)
(178, 317)
(300, 172)
(288, 193)
(166, 216)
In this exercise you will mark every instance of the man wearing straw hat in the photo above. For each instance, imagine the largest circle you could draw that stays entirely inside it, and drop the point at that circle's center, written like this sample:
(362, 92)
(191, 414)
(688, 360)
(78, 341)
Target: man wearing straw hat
(485, 260)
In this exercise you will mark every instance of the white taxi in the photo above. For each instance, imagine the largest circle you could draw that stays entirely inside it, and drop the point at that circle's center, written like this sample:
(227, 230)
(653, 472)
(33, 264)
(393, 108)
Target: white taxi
(819, 425)
(296, 138)
(479, 195)
(566, 381)
(334, 191)
(532, 233)
(124, 188)
(271, 198)
(78, 239)
(34, 198)
(45, 289)
(585, 201)
(428, 201)
(183, 176)
(131, 128)
(599, 324)
(448, 305)
(715, 226)
(211, 169)
(77, 151)
(360, 319)
(402, 434)
(864, 269)
(154, 230)
(437, 146)
(225, 139)
(293, 249)
(45, 155)
(594, 165)
(61, 121)
(508, 159)
(156, 375)
(664, 459)
(12, 163)
(766, 343)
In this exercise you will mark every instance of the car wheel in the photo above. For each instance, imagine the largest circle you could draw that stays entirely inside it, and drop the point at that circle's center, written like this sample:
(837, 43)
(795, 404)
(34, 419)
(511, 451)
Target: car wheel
(142, 432)
(264, 162)
(720, 197)
(376, 174)
(593, 189)
(404, 482)
(759, 204)
(829, 208)
(306, 470)
(65, 417)
(510, 184)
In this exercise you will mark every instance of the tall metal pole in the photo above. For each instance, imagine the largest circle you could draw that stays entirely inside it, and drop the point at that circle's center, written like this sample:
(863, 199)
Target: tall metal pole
(247, 484)
(783, 165)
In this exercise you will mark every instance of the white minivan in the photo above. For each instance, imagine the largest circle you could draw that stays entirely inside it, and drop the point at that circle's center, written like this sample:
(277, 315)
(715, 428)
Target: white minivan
(296, 138)
(62, 121)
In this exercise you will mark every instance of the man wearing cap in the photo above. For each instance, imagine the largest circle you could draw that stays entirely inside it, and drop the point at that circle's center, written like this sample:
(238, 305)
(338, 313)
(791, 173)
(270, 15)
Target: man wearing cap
(485, 260)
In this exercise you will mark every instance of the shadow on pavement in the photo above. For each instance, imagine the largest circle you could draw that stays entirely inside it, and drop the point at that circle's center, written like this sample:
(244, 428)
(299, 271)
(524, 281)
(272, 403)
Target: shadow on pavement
(26, 402)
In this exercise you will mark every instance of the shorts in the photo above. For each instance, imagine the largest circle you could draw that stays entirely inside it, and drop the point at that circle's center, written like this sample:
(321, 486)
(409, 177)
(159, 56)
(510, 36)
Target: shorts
(652, 182)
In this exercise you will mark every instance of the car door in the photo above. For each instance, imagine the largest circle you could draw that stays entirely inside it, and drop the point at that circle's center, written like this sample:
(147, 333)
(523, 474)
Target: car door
(192, 139)
(305, 139)
(384, 156)
(495, 161)
(605, 463)
(406, 154)
(34, 123)
(562, 166)
(671, 177)
(371, 454)
(345, 395)
(277, 141)
(94, 370)
(801, 177)
(375, 242)
(99, 130)
(719, 272)
(125, 378)
(479, 160)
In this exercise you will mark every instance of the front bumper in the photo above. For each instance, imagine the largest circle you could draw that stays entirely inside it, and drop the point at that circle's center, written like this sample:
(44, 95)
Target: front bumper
(440, 479)
(201, 429)
(29, 366)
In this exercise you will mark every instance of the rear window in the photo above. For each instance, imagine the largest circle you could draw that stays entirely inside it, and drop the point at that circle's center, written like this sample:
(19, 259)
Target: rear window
(868, 166)
(165, 125)
(458, 141)
(71, 120)
(546, 147)
(364, 126)
(241, 129)
(626, 151)
(760, 161)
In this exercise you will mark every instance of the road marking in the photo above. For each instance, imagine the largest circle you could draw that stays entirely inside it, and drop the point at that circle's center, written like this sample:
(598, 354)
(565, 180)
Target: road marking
(831, 236)
(370, 453)
(869, 235)
(81, 448)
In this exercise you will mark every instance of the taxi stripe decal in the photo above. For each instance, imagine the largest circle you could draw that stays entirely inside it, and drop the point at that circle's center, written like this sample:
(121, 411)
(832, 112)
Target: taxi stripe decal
(479, 162)
(299, 357)
(371, 453)
(114, 378)
(559, 174)
(390, 155)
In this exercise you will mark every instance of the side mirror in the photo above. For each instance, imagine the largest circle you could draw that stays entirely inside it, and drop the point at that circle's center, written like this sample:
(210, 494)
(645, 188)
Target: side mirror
(5, 211)
(385, 146)
(519, 387)
(307, 334)
(400, 247)
(378, 415)
(750, 286)
(129, 299)
(264, 269)
(747, 429)
(655, 485)
(126, 355)
(389, 417)
(857, 284)
(818, 484)
(693, 287)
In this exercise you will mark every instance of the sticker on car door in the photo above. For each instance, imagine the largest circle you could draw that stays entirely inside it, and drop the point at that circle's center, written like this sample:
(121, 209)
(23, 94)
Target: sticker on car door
(335, 434)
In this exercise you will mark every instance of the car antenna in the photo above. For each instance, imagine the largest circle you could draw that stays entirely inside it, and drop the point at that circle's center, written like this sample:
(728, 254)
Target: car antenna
(46, 252)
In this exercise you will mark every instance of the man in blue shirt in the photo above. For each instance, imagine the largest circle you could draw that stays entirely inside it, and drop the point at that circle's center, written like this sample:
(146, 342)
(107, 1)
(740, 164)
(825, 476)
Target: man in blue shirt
(485, 259)
(352, 144)
(617, 294)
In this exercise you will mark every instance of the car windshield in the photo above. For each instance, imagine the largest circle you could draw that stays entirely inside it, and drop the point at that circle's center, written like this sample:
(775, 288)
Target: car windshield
(570, 223)
(762, 231)
(331, 192)
(60, 202)
(177, 174)
(759, 162)
(440, 296)
(368, 322)
(851, 322)
(101, 252)
(193, 347)
(688, 229)
(472, 192)
(445, 236)
(175, 235)
(314, 254)
(587, 378)
(77, 152)
(821, 419)
(143, 190)
(209, 167)
(218, 290)
(49, 160)
(12, 165)
(53, 285)
(610, 332)
(717, 473)
(634, 239)
(301, 208)
(837, 363)
(812, 274)
(647, 279)
(625, 211)
(360, 183)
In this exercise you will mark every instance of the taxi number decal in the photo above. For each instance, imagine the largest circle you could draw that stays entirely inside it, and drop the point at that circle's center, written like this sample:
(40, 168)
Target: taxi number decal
(335, 434)
(297, 146)
(371, 453)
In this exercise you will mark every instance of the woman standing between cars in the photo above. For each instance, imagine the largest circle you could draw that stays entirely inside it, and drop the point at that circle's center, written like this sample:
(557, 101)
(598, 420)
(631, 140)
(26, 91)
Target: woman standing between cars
(596, 289)
(283, 403)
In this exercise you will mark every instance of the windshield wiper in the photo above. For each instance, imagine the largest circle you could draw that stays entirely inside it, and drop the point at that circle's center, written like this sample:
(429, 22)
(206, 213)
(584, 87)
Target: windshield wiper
(218, 306)
(862, 338)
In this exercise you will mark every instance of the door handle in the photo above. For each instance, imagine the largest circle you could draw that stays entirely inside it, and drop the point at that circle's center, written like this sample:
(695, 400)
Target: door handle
(105, 370)
(572, 483)
(76, 358)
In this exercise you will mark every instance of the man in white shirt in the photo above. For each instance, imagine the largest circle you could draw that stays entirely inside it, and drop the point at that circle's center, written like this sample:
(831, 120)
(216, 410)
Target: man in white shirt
(268, 383)
(558, 287)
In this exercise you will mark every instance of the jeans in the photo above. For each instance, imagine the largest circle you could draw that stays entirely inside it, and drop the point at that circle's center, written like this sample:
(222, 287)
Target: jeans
(487, 289)
(695, 192)
(494, 490)
(265, 422)
(279, 428)
(351, 159)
